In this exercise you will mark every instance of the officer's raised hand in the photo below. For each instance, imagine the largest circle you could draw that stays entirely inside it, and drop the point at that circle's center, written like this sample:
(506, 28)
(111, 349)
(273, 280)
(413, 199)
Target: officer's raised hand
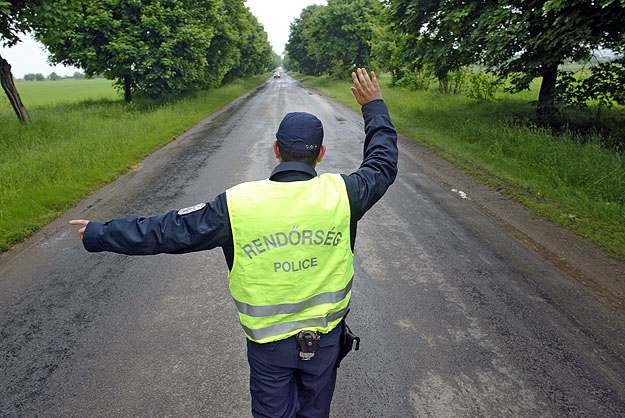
(365, 89)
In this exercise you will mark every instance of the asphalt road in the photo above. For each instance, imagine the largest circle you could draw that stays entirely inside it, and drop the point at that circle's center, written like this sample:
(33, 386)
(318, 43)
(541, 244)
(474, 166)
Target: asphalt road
(457, 319)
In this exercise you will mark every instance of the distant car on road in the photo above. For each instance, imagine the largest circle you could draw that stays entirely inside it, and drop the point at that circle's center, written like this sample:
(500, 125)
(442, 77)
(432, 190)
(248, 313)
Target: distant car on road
(276, 75)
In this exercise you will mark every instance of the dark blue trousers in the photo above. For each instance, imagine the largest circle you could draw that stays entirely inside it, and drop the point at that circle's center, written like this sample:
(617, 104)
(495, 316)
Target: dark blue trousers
(283, 385)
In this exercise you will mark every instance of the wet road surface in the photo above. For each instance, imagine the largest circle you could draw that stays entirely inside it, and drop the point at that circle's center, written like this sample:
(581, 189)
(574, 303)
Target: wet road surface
(457, 319)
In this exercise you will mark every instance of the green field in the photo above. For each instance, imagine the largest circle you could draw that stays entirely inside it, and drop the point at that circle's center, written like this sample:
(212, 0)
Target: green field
(572, 180)
(43, 93)
(85, 140)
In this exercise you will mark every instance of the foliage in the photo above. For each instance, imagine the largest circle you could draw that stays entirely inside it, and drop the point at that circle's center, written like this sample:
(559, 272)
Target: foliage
(22, 16)
(524, 39)
(453, 82)
(417, 79)
(605, 85)
(387, 50)
(161, 48)
(333, 39)
(142, 45)
(297, 48)
(287, 63)
(483, 86)
(276, 60)
(253, 53)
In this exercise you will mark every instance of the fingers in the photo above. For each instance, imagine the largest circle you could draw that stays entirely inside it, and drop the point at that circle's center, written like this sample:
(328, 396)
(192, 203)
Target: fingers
(80, 222)
(361, 78)
(364, 76)
(366, 89)
(355, 79)
(356, 94)
(364, 80)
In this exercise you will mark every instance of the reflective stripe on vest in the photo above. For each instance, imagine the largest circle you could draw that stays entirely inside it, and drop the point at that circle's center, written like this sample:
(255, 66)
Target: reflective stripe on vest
(293, 264)
(292, 308)
(260, 334)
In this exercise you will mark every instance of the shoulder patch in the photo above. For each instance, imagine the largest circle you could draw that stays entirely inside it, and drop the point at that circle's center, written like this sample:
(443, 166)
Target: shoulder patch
(191, 209)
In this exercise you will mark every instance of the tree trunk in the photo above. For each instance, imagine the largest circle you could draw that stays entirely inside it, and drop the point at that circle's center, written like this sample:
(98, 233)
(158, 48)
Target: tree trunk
(127, 92)
(547, 95)
(6, 78)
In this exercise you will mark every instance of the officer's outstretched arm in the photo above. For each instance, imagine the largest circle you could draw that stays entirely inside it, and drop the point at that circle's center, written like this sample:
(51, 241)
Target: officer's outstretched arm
(366, 89)
(200, 227)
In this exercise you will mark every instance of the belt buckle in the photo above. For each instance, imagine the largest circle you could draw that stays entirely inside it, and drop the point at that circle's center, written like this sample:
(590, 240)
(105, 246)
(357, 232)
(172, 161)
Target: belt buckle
(307, 343)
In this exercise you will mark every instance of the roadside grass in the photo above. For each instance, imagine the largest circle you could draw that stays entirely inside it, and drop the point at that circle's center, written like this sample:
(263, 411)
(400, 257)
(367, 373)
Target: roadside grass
(73, 148)
(571, 180)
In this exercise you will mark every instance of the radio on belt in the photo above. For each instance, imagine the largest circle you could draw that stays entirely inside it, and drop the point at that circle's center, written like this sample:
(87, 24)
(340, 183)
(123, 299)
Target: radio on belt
(307, 342)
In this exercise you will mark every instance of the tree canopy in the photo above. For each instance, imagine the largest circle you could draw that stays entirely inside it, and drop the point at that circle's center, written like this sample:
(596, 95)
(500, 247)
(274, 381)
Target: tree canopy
(334, 38)
(154, 47)
(253, 53)
(162, 47)
(523, 39)
(19, 17)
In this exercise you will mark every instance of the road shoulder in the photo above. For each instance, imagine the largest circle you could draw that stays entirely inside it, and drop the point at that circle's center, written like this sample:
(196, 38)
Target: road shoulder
(578, 257)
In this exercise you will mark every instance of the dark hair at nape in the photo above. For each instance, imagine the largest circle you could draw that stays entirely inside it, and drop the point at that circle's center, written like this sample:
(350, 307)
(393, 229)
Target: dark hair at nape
(303, 156)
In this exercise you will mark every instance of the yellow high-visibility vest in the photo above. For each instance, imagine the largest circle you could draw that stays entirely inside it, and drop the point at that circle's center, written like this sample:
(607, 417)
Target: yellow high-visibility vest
(293, 263)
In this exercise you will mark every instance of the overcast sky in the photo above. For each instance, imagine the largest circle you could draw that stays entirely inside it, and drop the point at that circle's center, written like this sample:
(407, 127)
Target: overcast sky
(30, 56)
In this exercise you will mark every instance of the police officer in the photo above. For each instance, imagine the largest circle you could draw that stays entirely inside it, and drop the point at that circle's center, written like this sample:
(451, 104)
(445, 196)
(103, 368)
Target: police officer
(288, 242)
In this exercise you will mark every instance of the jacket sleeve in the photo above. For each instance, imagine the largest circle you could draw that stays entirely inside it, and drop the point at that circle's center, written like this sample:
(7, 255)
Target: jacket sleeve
(171, 233)
(379, 166)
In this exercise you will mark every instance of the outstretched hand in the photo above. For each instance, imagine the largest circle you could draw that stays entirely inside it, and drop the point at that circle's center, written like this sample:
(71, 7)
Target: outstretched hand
(80, 222)
(365, 89)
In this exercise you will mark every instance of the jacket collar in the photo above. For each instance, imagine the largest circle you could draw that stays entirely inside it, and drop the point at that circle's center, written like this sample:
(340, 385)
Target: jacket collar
(295, 168)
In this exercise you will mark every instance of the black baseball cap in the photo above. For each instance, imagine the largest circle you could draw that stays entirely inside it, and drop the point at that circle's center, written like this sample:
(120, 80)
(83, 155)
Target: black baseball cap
(300, 130)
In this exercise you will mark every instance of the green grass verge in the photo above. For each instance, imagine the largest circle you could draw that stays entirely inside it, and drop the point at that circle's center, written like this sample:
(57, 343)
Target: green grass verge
(579, 185)
(71, 149)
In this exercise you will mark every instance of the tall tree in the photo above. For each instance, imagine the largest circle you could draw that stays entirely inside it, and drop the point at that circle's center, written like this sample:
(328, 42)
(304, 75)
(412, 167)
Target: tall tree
(20, 17)
(524, 39)
(253, 51)
(158, 47)
(436, 33)
(341, 35)
(161, 47)
(333, 38)
(387, 46)
(297, 48)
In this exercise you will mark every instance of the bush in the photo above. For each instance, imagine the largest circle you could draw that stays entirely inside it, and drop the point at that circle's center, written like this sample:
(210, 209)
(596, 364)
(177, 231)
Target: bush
(453, 82)
(417, 79)
(483, 86)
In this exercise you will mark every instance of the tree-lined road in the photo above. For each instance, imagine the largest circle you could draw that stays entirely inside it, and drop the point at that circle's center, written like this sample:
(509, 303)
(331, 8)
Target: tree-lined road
(457, 319)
